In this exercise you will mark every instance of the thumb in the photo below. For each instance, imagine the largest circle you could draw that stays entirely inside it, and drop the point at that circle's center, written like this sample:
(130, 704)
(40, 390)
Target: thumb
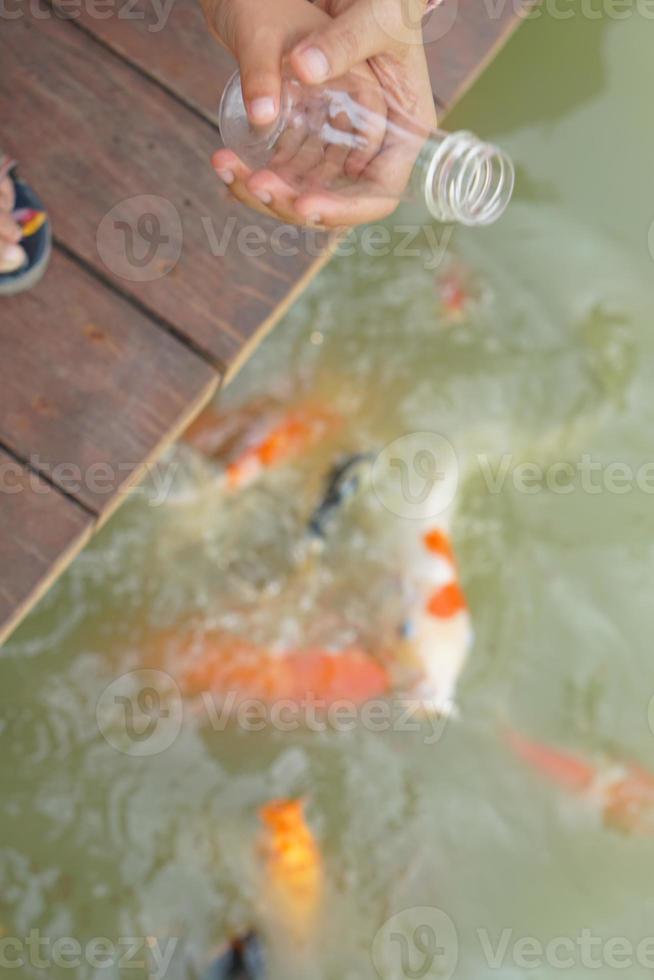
(348, 40)
(257, 44)
(259, 57)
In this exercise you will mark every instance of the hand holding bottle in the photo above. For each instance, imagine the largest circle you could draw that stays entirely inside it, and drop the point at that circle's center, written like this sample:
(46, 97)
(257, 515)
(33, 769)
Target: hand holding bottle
(371, 40)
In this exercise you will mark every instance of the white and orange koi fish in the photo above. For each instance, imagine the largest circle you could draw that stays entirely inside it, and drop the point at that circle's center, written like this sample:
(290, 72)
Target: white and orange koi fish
(623, 793)
(293, 870)
(436, 633)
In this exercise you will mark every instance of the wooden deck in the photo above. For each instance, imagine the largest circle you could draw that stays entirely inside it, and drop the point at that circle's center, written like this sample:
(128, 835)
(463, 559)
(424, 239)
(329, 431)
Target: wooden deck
(149, 302)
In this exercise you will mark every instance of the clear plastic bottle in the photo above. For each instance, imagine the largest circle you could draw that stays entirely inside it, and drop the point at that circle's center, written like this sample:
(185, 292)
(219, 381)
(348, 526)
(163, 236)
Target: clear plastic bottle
(349, 136)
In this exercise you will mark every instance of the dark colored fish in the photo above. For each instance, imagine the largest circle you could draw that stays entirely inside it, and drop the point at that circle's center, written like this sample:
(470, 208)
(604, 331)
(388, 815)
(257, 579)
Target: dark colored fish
(343, 483)
(242, 960)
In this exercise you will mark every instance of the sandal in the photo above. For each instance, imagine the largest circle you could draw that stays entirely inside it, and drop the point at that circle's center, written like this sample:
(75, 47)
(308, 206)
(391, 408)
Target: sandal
(30, 214)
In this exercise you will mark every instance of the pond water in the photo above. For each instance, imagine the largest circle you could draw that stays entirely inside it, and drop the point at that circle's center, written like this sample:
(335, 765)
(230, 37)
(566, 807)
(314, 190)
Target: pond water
(527, 343)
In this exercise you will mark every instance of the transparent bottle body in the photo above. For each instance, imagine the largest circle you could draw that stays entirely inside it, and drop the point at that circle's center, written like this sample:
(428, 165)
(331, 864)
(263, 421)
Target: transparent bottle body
(349, 137)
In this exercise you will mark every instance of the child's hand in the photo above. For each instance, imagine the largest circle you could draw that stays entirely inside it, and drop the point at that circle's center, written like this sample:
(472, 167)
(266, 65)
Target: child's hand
(323, 41)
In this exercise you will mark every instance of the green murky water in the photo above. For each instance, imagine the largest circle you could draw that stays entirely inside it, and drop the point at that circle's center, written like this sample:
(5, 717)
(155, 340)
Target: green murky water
(551, 364)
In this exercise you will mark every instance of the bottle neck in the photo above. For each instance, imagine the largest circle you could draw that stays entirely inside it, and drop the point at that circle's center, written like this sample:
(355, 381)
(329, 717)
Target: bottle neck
(462, 179)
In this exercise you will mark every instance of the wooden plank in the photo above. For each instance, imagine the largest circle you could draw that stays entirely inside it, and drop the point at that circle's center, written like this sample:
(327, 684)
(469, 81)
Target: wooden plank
(169, 40)
(116, 155)
(90, 389)
(40, 531)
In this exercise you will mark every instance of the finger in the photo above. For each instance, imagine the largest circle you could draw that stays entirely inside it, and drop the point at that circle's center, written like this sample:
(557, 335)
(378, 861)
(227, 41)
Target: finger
(342, 44)
(279, 196)
(340, 211)
(326, 174)
(376, 116)
(235, 175)
(309, 156)
(289, 142)
(12, 257)
(259, 51)
(10, 231)
(269, 200)
(374, 196)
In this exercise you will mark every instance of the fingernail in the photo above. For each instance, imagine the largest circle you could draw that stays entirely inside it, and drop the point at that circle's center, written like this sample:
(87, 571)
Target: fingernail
(11, 258)
(226, 176)
(264, 196)
(263, 110)
(315, 64)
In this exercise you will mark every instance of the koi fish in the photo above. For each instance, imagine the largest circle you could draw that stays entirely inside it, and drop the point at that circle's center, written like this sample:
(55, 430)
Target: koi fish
(29, 220)
(623, 793)
(240, 959)
(454, 295)
(226, 666)
(436, 635)
(293, 868)
(262, 444)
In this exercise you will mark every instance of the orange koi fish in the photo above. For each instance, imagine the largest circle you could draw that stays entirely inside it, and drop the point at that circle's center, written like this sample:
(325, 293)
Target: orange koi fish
(227, 666)
(454, 295)
(293, 868)
(266, 443)
(623, 793)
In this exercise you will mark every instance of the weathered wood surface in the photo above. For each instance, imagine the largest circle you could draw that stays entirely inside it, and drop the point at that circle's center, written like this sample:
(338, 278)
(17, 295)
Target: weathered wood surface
(116, 150)
(160, 285)
(90, 388)
(40, 530)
